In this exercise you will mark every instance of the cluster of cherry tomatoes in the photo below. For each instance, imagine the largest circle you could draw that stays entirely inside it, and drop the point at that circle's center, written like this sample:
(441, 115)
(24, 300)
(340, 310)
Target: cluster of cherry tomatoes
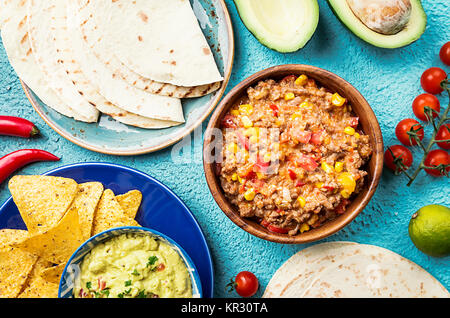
(410, 132)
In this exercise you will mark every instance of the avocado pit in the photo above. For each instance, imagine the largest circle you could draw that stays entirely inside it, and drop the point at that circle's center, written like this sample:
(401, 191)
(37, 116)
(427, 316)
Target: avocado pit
(387, 17)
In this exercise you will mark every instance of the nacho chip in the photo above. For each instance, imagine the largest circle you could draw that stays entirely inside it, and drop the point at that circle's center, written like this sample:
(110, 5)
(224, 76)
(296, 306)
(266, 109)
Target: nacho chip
(130, 202)
(42, 200)
(40, 288)
(109, 214)
(8, 237)
(15, 267)
(85, 202)
(57, 244)
(53, 274)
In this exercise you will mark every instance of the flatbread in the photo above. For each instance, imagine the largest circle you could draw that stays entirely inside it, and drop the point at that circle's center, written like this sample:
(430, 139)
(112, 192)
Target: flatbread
(17, 46)
(344, 270)
(42, 200)
(104, 51)
(40, 35)
(109, 214)
(164, 51)
(85, 202)
(12, 276)
(130, 202)
(59, 243)
(115, 89)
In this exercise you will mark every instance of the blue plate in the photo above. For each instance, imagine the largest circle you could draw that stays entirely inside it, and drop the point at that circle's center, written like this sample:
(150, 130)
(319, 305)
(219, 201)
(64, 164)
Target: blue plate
(111, 137)
(160, 210)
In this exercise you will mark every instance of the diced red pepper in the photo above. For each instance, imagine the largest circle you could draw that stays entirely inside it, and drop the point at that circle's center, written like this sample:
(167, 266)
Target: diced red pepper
(243, 140)
(342, 207)
(292, 174)
(353, 122)
(261, 165)
(329, 188)
(228, 122)
(275, 110)
(299, 184)
(273, 228)
(101, 284)
(160, 267)
(316, 138)
(306, 162)
(301, 136)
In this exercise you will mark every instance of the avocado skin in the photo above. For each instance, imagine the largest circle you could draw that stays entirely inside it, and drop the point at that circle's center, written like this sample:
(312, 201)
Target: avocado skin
(413, 39)
(266, 42)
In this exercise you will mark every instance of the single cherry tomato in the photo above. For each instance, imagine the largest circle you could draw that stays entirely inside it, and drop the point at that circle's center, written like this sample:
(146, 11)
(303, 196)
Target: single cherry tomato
(398, 157)
(246, 284)
(423, 100)
(443, 134)
(444, 54)
(409, 125)
(431, 80)
(435, 158)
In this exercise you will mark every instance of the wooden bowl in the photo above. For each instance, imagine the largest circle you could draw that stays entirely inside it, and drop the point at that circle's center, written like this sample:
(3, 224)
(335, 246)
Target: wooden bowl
(368, 123)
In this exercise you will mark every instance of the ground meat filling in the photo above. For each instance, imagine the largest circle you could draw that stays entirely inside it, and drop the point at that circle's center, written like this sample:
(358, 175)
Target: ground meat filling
(292, 154)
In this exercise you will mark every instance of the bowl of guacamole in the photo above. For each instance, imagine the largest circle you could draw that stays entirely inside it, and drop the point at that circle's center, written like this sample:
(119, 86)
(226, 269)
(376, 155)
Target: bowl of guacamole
(130, 262)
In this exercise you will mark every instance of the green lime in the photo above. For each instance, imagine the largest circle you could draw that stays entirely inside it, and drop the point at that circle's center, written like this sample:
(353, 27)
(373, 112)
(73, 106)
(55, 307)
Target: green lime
(429, 229)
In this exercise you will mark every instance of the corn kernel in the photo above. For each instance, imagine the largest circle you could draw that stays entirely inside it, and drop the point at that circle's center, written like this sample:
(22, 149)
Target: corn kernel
(337, 100)
(249, 195)
(234, 177)
(327, 140)
(235, 112)
(339, 166)
(347, 181)
(253, 140)
(253, 131)
(346, 194)
(327, 168)
(260, 175)
(246, 122)
(232, 147)
(304, 227)
(301, 201)
(349, 130)
(240, 179)
(305, 105)
(319, 185)
(294, 116)
(301, 80)
(357, 136)
(246, 109)
(289, 96)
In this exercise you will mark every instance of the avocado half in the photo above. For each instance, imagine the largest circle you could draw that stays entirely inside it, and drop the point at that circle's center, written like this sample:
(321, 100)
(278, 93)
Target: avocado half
(412, 31)
(284, 26)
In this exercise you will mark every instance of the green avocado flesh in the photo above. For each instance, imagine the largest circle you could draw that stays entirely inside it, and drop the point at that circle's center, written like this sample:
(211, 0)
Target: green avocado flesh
(412, 31)
(284, 26)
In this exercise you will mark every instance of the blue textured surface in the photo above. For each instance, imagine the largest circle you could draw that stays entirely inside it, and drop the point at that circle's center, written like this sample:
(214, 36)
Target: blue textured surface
(389, 79)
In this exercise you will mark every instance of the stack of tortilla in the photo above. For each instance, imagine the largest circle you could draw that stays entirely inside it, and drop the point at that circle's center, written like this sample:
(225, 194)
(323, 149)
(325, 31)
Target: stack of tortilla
(59, 215)
(351, 270)
(124, 58)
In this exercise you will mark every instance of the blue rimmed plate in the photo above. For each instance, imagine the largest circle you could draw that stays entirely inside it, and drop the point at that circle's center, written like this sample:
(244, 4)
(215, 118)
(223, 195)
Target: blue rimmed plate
(161, 210)
(111, 137)
(73, 268)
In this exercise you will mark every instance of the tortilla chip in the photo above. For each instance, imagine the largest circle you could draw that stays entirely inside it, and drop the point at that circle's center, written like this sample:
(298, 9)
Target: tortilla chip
(85, 202)
(53, 274)
(57, 244)
(42, 200)
(109, 214)
(15, 267)
(130, 202)
(40, 288)
(8, 237)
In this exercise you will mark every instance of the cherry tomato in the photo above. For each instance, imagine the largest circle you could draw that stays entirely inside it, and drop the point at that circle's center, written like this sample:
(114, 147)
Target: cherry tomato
(444, 54)
(431, 80)
(435, 158)
(406, 125)
(246, 284)
(397, 156)
(443, 134)
(423, 100)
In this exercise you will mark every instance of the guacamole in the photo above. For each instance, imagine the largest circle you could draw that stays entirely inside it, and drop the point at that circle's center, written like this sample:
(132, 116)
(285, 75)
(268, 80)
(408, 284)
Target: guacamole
(133, 266)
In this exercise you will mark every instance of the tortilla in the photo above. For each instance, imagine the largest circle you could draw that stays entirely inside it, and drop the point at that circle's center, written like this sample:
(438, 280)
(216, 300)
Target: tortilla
(15, 266)
(345, 270)
(8, 237)
(110, 214)
(130, 202)
(148, 42)
(15, 41)
(40, 23)
(131, 99)
(85, 202)
(42, 200)
(104, 51)
(53, 274)
(58, 243)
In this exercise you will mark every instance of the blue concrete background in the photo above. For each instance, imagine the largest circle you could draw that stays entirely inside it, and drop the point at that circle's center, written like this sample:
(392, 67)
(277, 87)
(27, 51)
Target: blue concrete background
(389, 79)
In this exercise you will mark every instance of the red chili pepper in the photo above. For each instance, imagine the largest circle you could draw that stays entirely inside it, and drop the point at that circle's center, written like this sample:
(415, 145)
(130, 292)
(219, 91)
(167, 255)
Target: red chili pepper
(17, 127)
(20, 158)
